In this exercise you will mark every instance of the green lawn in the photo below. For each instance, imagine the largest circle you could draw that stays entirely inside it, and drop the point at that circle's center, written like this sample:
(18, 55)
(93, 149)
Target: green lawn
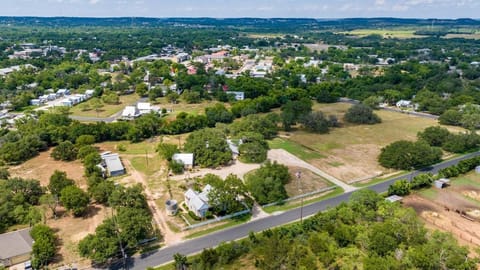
(295, 149)
(385, 33)
(230, 223)
(429, 193)
(297, 203)
(470, 179)
(108, 109)
(126, 147)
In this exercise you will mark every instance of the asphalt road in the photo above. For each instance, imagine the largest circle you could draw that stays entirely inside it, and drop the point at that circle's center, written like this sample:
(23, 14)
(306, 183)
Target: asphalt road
(196, 245)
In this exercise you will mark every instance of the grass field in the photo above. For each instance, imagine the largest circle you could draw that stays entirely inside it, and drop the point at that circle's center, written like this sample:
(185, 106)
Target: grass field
(181, 106)
(107, 110)
(465, 36)
(385, 33)
(350, 152)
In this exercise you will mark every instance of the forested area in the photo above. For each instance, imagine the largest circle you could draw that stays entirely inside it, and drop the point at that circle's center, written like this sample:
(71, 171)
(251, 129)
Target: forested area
(365, 233)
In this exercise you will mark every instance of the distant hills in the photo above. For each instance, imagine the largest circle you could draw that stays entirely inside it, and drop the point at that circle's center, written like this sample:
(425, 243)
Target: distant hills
(272, 23)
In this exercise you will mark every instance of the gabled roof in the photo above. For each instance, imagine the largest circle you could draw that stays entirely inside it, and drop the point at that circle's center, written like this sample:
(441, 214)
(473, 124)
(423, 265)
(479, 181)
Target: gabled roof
(130, 111)
(190, 194)
(113, 163)
(15, 243)
(184, 158)
(199, 204)
(144, 106)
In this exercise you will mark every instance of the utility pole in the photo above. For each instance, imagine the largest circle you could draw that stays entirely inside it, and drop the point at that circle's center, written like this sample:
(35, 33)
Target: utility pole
(298, 174)
(122, 249)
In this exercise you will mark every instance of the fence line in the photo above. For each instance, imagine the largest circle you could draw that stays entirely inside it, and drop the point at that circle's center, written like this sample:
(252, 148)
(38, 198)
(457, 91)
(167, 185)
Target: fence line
(217, 219)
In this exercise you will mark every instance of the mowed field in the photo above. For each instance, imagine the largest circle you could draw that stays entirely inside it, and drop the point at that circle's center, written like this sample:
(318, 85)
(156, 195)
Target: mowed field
(454, 209)
(107, 110)
(350, 152)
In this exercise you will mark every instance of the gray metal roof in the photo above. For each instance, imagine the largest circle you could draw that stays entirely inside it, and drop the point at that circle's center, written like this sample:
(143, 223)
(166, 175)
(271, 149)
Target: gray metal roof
(113, 163)
(15, 243)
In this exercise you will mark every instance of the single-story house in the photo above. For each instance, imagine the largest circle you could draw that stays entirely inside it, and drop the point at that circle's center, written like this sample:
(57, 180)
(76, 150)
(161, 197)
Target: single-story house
(185, 158)
(234, 148)
(198, 202)
(89, 93)
(238, 95)
(130, 112)
(35, 102)
(146, 107)
(63, 92)
(112, 164)
(15, 247)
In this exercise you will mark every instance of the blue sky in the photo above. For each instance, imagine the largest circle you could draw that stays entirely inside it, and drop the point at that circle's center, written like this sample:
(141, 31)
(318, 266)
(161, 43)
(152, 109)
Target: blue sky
(244, 8)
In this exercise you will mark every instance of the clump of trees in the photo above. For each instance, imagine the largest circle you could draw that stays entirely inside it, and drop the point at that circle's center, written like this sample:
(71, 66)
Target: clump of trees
(253, 147)
(120, 234)
(44, 246)
(406, 155)
(331, 240)
(455, 143)
(267, 184)
(361, 114)
(227, 196)
(209, 147)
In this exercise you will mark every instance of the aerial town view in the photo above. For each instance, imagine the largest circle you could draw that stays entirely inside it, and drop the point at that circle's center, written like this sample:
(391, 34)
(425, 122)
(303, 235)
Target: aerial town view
(267, 134)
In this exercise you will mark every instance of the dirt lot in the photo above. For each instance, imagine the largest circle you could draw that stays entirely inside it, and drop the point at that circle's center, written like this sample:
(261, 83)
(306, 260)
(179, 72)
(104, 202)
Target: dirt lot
(309, 181)
(455, 209)
(42, 167)
(350, 152)
(71, 230)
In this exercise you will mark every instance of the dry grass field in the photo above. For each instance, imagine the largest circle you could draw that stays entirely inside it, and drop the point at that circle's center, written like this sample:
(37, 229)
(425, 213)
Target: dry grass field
(350, 152)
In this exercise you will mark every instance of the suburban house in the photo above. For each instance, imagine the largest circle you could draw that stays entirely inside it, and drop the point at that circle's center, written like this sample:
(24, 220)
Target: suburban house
(234, 148)
(238, 95)
(111, 164)
(198, 202)
(130, 112)
(185, 158)
(15, 247)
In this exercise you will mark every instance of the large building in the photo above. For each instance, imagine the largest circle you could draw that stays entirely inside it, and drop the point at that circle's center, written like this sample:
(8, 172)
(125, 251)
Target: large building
(15, 247)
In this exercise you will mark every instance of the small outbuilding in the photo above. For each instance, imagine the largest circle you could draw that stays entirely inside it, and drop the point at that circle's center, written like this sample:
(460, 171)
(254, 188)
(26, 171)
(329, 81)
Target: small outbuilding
(441, 183)
(477, 169)
(112, 164)
(15, 247)
(394, 198)
(185, 158)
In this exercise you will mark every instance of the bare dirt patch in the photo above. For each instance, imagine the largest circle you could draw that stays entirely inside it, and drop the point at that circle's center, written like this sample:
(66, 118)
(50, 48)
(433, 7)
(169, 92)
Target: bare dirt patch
(71, 230)
(440, 214)
(42, 167)
(308, 181)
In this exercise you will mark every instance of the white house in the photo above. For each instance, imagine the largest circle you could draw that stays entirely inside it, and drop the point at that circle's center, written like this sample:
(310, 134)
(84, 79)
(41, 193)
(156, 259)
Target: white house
(198, 202)
(185, 158)
(130, 112)
(238, 95)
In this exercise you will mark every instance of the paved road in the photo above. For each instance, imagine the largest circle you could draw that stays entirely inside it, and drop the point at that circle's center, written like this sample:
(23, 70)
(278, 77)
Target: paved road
(165, 255)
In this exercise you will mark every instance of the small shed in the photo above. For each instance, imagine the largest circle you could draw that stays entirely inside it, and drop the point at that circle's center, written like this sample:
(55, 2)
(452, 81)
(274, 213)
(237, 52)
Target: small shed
(113, 164)
(185, 158)
(477, 169)
(441, 183)
(394, 198)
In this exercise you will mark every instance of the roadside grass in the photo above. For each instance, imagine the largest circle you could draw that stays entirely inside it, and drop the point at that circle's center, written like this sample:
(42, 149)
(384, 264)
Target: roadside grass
(294, 148)
(230, 223)
(297, 203)
(107, 110)
(377, 180)
(465, 36)
(429, 193)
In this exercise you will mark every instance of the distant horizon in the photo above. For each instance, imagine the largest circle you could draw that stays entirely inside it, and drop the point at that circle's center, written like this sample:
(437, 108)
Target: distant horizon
(315, 9)
(244, 17)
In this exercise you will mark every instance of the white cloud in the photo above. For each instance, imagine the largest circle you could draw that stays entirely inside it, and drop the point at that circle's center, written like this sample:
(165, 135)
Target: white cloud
(93, 2)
